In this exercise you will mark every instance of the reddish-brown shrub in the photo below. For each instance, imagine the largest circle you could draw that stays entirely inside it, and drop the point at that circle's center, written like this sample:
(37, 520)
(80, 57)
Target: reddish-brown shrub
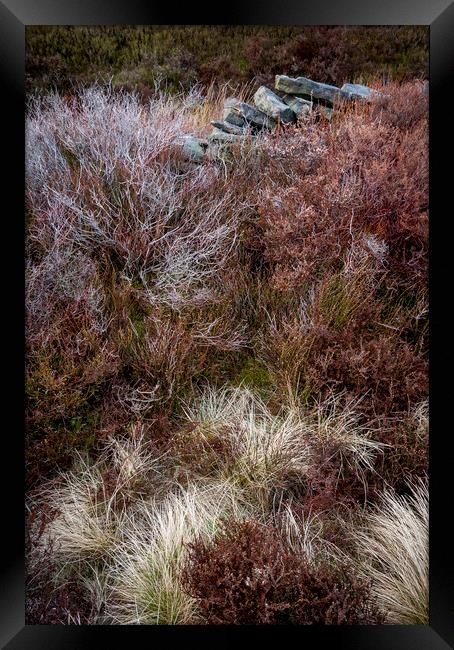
(332, 482)
(406, 458)
(373, 169)
(248, 576)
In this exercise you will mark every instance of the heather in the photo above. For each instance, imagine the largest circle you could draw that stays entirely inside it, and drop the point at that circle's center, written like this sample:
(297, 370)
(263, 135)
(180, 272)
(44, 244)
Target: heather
(226, 363)
(178, 56)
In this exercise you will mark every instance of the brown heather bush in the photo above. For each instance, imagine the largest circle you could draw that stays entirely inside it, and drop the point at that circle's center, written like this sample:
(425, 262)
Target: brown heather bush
(374, 174)
(406, 458)
(247, 575)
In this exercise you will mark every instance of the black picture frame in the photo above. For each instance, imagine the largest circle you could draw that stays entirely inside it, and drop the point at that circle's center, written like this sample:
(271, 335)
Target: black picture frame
(14, 16)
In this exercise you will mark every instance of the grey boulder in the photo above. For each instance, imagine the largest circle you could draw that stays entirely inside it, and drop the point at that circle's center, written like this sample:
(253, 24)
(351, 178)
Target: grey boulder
(309, 88)
(221, 136)
(230, 115)
(239, 113)
(272, 105)
(228, 127)
(358, 91)
(298, 105)
(192, 147)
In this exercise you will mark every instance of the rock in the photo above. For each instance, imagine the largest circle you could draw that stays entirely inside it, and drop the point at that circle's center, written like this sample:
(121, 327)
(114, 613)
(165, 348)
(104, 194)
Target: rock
(425, 88)
(358, 91)
(221, 136)
(192, 147)
(250, 115)
(231, 102)
(228, 127)
(304, 86)
(256, 117)
(298, 105)
(272, 105)
(230, 115)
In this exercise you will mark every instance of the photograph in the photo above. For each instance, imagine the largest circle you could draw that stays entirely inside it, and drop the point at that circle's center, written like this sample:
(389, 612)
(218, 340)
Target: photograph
(226, 325)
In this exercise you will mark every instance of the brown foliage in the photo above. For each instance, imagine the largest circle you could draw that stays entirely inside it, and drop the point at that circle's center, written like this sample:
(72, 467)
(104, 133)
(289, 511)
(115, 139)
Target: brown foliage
(248, 576)
(333, 483)
(407, 457)
(373, 170)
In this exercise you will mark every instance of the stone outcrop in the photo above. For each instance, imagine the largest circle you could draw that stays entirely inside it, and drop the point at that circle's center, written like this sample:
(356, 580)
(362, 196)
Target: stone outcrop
(309, 88)
(230, 115)
(228, 127)
(299, 97)
(250, 115)
(358, 91)
(218, 135)
(193, 148)
(272, 105)
(298, 105)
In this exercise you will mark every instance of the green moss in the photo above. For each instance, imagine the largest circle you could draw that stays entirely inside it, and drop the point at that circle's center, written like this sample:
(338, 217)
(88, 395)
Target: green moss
(253, 374)
(242, 64)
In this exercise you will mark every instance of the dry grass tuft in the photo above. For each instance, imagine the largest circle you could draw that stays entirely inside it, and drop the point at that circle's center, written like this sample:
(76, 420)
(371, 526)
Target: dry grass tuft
(395, 548)
(144, 578)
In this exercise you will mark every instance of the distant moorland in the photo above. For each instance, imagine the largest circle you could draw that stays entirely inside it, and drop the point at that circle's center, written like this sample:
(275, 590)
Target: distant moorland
(182, 55)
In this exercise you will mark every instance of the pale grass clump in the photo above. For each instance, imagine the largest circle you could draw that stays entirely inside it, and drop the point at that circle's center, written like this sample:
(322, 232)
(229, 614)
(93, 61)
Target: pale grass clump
(421, 418)
(130, 458)
(394, 549)
(144, 576)
(87, 524)
(337, 425)
(302, 534)
(95, 583)
(274, 451)
(217, 407)
(91, 500)
(268, 450)
(305, 534)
